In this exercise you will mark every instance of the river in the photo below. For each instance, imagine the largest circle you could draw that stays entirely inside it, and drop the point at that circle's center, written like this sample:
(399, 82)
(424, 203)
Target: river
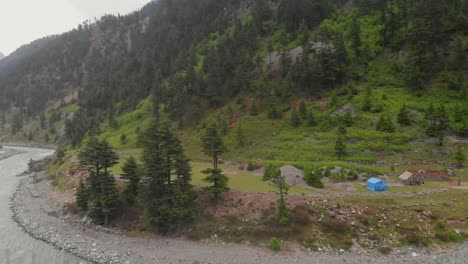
(16, 247)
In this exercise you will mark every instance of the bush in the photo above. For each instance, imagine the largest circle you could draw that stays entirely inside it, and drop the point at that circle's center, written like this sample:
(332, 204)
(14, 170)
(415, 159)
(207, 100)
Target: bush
(270, 172)
(442, 237)
(385, 250)
(274, 244)
(314, 179)
(440, 226)
(123, 139)
(336, 225)
(274, 113)
(300, 215)
(250, 166)
(414, 238)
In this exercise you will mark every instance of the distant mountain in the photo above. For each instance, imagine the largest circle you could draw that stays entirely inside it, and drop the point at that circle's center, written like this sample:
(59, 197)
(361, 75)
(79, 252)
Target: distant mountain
(1, 55)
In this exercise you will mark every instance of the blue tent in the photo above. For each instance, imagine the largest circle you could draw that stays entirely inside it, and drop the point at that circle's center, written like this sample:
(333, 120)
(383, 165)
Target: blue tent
(375, 184)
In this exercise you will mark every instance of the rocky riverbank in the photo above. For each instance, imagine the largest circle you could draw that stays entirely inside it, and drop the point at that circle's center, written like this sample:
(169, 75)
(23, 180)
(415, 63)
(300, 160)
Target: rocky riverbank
(44, 219)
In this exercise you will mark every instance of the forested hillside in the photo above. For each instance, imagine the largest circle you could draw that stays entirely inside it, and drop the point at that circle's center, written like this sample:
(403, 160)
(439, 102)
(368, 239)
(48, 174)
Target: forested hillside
(222, 93)
(194, 56)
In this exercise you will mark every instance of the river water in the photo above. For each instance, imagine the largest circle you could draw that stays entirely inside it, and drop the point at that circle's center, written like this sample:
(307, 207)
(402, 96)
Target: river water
(16, 247)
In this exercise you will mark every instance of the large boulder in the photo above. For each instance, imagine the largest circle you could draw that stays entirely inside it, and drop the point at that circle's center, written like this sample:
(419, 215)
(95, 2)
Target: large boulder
(294, 176)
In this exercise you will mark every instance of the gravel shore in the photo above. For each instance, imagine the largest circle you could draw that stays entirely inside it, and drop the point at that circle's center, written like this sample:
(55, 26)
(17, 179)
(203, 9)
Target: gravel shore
(43, 219)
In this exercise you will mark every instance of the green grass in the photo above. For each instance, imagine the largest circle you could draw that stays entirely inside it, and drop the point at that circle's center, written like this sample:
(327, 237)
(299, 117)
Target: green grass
(239, 180)
(128, 124)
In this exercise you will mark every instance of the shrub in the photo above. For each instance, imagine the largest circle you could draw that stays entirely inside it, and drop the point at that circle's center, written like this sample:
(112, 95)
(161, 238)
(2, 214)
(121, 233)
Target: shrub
(442, 236)
(72, 208)
(300, 215)
(314, 179)
(274, 244)
(440, 226)
(274, 113)
(414, 238)
(270, 172)
(336, 225)
(123, 139)
(454, 237)
(250, 166)
(385, 250)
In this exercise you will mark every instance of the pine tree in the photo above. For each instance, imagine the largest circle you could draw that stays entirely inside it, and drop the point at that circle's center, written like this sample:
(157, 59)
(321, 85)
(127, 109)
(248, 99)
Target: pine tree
(295, 118)
(348, 119)
(441, 124)
(2, 125)
(342, 130)
(213, 146)
(429, 113)
(31, 165)
(285, 56)
(130, 173)
(123, 139)
(42, 119)
(16, 123)
(303, 110)
(367, 103)
(385, 124)
(403, 116)
(459, 157)
(103, 197)
(109, 198)
(311, 121)
(420, 59)
(356, 38)
(340, 148)
(261, 12)
(283, 210)
(219, 182)
(273, 112)
(222, 125)
(97, 157)
(240, 137)
(82, 196)
(253, 109)
(95, 211)
(166, 188)
(458, 114)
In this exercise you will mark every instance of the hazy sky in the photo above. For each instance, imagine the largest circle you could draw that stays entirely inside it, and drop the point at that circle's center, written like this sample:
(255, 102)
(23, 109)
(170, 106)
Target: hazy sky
(22, 21)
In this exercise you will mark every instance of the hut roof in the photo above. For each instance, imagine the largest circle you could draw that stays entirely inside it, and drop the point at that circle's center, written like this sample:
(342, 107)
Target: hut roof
(406, 175)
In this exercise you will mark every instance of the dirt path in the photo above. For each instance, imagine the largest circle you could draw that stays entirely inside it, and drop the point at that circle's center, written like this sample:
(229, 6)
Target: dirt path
(43, 220)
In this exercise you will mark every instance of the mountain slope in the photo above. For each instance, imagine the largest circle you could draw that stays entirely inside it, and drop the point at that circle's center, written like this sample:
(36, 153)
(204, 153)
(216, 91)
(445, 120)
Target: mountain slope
(195, 56)
(1, 55)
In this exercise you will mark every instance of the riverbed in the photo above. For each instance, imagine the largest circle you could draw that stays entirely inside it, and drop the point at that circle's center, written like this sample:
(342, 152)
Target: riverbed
(15, 245)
